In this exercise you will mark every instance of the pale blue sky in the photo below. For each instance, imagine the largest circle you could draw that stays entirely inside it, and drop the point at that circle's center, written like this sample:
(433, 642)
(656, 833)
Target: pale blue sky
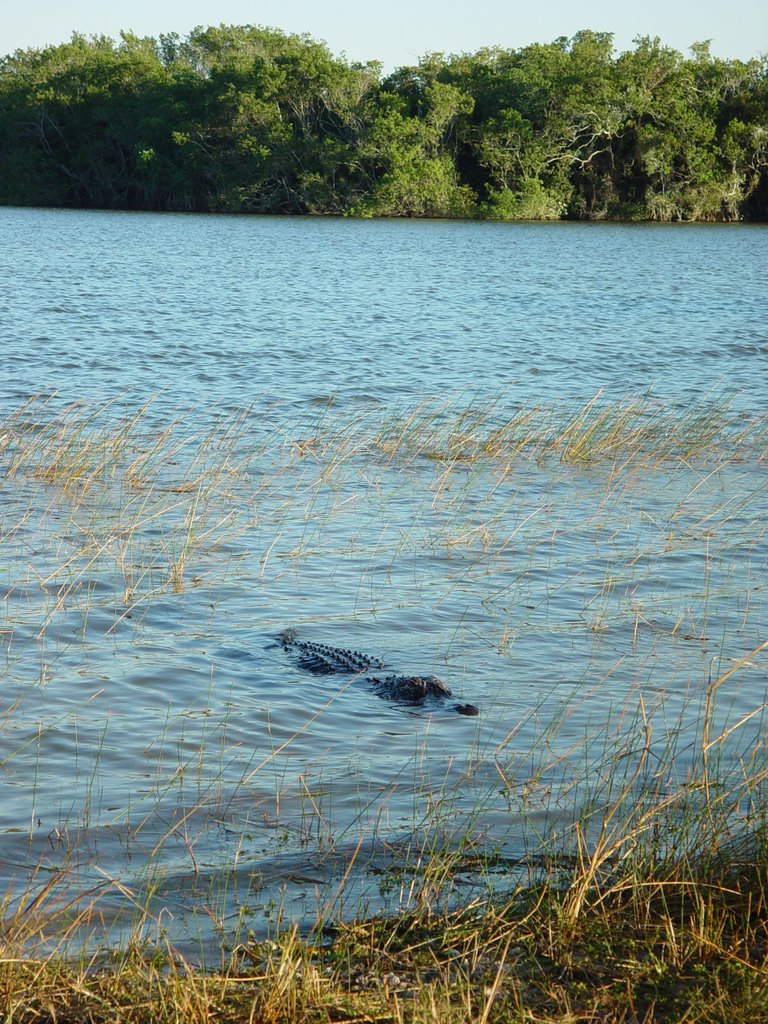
(397, 32)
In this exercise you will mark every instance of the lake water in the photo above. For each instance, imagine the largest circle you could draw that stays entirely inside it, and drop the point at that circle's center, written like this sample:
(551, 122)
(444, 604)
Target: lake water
(228, 310)
(157, 750)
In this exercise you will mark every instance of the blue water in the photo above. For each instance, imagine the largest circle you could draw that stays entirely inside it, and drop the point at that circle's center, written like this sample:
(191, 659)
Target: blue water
(152, 736)
(229, 310)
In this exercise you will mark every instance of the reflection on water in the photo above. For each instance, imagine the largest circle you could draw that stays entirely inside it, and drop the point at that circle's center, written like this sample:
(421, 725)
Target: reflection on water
(153, 739)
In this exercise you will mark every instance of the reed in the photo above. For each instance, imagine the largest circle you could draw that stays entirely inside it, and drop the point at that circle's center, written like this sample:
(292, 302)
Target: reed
(653, 904)
(662, 920)
(456, 432)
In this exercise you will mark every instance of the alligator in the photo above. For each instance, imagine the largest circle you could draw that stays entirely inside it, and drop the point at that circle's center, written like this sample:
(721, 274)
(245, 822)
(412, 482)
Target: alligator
(322, 659)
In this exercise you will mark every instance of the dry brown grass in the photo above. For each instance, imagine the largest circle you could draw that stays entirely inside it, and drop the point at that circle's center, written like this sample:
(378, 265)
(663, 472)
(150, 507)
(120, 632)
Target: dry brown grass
(637, 429)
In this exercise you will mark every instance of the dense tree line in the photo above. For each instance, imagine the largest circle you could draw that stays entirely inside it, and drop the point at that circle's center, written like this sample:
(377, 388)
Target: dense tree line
(254, 120)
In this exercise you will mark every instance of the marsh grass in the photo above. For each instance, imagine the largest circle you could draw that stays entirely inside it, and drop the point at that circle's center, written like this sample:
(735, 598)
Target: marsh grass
(664, 917)
(651, 906)
(642, 892)
(635, 428)
(99, 490)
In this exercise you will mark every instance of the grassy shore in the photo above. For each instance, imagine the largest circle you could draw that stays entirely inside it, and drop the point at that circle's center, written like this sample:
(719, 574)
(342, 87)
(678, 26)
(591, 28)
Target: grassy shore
(682, 939)
(648, 904)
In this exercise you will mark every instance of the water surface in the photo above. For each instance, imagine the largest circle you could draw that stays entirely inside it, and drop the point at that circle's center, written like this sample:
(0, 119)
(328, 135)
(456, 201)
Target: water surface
(230, 309)
(153, 736)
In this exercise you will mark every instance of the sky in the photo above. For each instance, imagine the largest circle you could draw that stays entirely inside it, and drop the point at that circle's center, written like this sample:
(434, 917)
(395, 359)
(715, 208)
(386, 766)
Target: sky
(398, 32)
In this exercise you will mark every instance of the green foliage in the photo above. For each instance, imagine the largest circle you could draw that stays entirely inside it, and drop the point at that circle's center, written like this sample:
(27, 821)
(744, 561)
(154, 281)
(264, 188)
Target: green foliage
(531, 201)
(418, 186)
(244, 118)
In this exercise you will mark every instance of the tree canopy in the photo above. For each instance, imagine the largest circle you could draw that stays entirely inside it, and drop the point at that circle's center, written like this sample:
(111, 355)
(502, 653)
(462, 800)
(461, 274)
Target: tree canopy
(250, 119)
